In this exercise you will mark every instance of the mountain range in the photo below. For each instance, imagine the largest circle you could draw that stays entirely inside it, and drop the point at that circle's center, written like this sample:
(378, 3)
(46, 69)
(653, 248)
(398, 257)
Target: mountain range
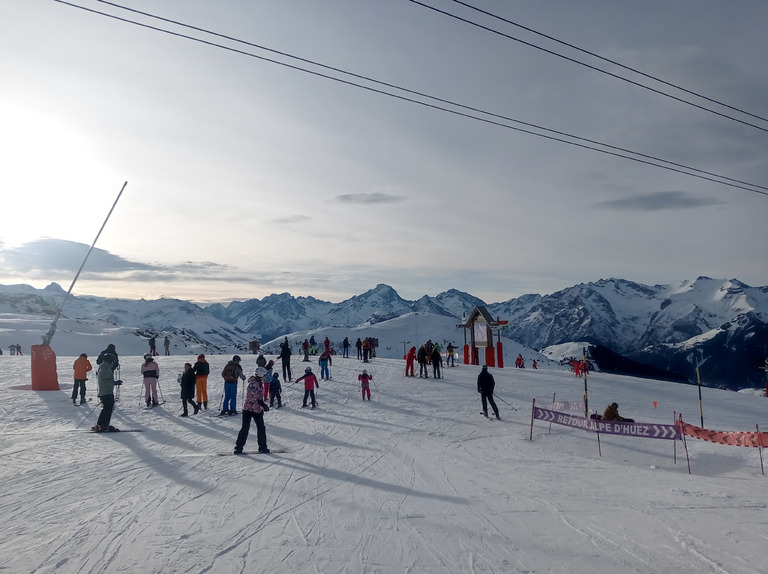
(662, 331)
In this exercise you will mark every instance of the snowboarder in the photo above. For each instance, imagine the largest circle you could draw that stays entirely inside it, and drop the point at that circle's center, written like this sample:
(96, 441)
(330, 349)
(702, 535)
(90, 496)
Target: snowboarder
(202, 369)
(254, 408)
(324, 361)
(409, 360)
(611, 413)
(187, 381)
(485, 386)
(82, 366)
(151, 372)
(231, 372)
(106, 381)
(310, 382)
(365, 383)
(275, 391)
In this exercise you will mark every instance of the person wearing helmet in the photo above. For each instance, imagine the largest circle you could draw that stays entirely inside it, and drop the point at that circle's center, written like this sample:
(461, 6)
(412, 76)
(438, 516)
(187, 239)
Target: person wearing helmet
(254, 408)
(82, 366)
(275, 391)
(365, 383)
(231, 373)
(151, 372)
(267, 378)
(187, 382)
(310, 382)
(611, 413)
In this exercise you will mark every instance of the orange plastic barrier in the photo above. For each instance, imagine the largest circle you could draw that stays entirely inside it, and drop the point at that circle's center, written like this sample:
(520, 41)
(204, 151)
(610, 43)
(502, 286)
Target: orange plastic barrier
(43, 370)
(734, 438)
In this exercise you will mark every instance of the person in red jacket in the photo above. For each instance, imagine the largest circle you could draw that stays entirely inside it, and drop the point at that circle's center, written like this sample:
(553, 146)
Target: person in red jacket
(409, 360)
(82, 366)
(310, 382)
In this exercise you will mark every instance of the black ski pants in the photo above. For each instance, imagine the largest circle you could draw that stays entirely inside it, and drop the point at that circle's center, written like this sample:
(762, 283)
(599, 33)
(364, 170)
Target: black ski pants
(261, 431)
(79, 387)
(107, 406)
(487, 397)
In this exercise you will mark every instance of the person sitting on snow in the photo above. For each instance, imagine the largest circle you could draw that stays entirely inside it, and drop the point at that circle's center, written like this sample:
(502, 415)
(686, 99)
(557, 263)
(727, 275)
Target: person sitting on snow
(611, 413)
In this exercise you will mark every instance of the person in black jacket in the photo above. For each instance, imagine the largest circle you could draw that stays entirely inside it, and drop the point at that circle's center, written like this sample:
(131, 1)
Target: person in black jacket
(110, 350)
(285, 357)
(485, 386)
(187, 381)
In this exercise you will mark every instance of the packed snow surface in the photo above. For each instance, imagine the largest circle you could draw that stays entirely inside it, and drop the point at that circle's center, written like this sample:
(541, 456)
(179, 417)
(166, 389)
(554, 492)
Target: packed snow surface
(415, 480)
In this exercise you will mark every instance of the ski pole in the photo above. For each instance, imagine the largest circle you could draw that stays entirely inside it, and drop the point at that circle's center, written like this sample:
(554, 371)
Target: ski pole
(89, 413)
(160, 390)
(505, 402)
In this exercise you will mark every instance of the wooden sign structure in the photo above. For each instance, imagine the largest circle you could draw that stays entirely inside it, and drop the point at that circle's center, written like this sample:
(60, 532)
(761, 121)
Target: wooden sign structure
(481, 327)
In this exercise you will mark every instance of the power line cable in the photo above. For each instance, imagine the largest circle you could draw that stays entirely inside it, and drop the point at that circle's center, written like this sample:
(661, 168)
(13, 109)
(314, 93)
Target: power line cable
(425, 95)
(591, 67)
(722, 180)
(610, 61)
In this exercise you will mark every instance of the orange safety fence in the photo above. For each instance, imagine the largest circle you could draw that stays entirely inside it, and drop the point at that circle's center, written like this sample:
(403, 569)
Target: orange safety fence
(734, 438)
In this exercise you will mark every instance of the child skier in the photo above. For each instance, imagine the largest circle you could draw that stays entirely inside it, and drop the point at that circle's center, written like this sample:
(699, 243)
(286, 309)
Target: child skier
(365, 383)
(275, 391)
(310, 382)
(82, 366)
(268, 378)
(254, 408)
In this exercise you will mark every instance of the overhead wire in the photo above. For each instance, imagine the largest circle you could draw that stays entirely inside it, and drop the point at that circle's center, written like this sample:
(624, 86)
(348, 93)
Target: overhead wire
(559, 137)
(609, 60)
(591, 67)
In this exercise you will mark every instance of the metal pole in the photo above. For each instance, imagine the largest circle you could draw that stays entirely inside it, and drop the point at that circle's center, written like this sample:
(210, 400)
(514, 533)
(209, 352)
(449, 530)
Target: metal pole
(701, 404)
(52, 329)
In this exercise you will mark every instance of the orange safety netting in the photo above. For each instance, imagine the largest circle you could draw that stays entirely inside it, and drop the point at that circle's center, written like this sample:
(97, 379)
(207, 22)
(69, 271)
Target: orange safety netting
(734, 438)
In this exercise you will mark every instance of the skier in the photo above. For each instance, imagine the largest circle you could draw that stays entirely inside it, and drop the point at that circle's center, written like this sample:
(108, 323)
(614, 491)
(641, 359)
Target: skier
(187, 382)
(254, 408)
(82, 366)
(151, 372)
(261, 361)
(275, 391)
(202, 369)
(152, 344)
(365, 383)
(305, 348)
(485, 386)
(106, 379)
(231, 373)
(312, 345)
(285, 357)
(366, 349)
(359, 345)
(327, 345)
(324, 361)
(451, 358)
(268, 378)
(345, 348)
(409, 360)
(111, 352)
(422, 358)
(167, 345)
(310, 382)
(437, 360)
(535, 364)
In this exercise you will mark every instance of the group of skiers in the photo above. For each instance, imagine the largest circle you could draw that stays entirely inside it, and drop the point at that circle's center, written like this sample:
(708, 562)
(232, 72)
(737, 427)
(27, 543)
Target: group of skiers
(428, 353)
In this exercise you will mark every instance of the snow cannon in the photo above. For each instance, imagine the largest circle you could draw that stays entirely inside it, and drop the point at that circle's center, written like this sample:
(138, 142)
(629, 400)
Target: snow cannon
(43, 370)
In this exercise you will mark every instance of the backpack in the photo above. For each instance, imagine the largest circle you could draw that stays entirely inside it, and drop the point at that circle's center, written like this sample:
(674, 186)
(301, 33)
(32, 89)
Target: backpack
(229, 372)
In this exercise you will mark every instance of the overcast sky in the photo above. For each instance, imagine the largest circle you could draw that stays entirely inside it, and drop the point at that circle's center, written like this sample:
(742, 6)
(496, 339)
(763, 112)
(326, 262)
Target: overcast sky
(247, 178)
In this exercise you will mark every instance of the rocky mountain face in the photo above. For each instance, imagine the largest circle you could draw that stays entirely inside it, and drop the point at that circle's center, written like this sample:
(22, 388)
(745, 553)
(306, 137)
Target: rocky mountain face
(719, 326)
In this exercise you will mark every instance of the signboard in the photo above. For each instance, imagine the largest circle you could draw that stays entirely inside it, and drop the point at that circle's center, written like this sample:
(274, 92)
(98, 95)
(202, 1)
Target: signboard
(643, 430)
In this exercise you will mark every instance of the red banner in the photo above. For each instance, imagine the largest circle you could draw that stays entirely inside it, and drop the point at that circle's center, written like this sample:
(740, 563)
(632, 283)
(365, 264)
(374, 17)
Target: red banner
(734, 438)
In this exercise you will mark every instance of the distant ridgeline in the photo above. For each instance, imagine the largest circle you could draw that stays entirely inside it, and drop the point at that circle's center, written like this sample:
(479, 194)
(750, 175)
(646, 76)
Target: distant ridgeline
(660, 331)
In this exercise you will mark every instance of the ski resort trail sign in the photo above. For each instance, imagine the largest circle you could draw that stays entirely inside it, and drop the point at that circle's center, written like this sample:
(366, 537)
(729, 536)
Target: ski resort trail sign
(641, 430)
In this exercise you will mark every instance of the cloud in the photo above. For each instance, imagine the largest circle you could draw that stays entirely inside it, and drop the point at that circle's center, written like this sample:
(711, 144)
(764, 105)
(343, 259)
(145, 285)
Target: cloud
(660, 201)
(369, 198)
(59, 255)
